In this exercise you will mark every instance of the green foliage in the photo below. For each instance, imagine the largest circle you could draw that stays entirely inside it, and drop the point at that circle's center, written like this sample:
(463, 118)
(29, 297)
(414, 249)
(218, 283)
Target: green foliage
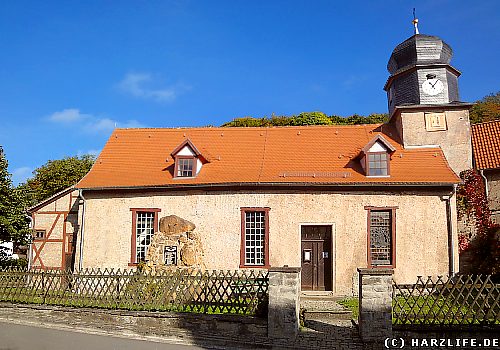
(485, 110)
(55, 176)
(14, 223)
(306, 118)
(351, 304)
(21, 264)
(485, 245)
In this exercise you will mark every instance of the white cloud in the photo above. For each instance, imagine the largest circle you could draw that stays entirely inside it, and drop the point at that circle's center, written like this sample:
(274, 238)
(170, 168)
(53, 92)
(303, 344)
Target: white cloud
(90, 123)
(139, 85)
(20, 175)
(69, 115)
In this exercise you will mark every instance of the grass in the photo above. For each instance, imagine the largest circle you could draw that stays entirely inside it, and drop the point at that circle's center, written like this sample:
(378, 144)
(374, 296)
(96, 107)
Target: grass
(134, 302)
(351, 304)
(435, 310)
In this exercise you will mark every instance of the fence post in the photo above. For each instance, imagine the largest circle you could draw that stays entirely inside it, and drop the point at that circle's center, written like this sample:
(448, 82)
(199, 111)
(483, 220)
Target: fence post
(284, 302)
(375, 304)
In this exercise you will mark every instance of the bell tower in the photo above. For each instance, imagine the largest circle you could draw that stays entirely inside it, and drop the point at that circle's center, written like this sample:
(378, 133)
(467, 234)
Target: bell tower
(423, 99)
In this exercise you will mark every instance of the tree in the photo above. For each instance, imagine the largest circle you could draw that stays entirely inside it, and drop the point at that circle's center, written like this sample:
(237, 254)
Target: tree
(55, 176)
(485, 110)
(14, 222)
(307, 118)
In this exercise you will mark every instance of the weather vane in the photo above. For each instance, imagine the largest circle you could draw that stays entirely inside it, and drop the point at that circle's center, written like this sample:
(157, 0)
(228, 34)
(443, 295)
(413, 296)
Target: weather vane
(415, 22)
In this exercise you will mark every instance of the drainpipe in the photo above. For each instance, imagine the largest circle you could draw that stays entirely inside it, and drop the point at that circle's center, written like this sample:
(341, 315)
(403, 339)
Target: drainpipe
(30, 218)
(82, 231)
(485, 182)
(451, 240)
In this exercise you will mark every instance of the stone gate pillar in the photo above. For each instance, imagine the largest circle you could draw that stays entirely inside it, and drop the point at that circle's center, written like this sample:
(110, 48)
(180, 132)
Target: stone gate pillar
(284, 302)
(375, 304)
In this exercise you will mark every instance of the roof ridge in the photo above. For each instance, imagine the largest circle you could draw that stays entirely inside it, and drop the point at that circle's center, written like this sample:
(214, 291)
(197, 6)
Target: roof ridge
(249, 127)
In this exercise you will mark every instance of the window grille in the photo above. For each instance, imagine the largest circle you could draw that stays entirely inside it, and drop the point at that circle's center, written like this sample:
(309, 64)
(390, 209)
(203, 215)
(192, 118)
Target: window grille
(40, 234)
(377, 164)
(144, 233)
(185, 167)
(381, 237)
(255, 232)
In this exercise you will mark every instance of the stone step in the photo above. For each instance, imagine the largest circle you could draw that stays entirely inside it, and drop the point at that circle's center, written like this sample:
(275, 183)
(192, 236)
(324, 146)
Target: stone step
(319, 315)
(321, 305)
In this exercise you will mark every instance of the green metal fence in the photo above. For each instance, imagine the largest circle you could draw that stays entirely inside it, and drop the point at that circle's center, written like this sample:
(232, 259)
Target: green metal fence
(460, 300)
(181, 290)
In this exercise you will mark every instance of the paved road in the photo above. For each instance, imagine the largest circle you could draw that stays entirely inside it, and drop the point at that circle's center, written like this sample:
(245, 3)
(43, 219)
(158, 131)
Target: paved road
(22, 337)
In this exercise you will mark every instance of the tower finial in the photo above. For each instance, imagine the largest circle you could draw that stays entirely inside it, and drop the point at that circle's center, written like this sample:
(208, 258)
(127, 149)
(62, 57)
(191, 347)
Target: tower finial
(415, 22)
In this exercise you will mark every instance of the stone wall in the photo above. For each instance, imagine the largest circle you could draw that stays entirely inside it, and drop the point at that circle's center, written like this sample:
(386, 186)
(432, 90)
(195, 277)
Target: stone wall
(284, 303)
(375, 304)
(493, 177)
(228, 331)
(455, 141)
(175, 244)
(420, 217)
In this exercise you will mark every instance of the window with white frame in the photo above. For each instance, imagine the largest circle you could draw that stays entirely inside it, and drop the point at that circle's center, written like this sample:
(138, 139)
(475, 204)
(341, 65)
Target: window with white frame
(378, 164)
(144, 230)
(255, 234)
(185, 167)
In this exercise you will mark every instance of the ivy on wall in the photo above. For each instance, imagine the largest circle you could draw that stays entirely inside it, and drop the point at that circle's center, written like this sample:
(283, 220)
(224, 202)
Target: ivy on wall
(473, 204)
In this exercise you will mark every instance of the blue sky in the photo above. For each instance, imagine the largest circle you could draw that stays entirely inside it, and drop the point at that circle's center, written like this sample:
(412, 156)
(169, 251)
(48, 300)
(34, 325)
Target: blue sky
(72, 70)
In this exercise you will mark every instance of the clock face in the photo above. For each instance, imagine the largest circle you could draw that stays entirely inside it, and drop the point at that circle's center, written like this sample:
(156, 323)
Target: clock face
(432, 86)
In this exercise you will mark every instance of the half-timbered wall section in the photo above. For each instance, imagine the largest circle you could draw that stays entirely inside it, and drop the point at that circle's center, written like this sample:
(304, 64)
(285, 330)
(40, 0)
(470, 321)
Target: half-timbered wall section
(55, 229)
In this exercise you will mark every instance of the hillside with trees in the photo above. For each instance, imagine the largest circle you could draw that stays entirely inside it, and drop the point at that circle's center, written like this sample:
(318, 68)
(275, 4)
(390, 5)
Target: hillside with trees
(484, 110)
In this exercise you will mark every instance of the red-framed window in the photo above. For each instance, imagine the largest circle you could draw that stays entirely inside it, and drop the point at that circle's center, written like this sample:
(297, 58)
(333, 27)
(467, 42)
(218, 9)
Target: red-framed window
(144, 225)
(377, 164)
(254, 251)
(185, 166)
(381, 236)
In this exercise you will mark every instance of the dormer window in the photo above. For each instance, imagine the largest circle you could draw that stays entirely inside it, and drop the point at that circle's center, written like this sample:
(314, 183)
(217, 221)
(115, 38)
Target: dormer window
(188, 160)
(375, 157)
(378, 164)
(185, 166)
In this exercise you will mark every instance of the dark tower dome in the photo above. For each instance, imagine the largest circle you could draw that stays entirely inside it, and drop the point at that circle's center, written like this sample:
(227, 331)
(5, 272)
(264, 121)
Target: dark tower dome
(421, 73)
(419, 49)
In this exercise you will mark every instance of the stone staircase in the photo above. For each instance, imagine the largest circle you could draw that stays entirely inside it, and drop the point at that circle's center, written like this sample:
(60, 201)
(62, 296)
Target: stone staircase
(322, 306)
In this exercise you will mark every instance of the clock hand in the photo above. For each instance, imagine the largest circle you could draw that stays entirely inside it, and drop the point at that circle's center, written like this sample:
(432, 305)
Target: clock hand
(433, 85)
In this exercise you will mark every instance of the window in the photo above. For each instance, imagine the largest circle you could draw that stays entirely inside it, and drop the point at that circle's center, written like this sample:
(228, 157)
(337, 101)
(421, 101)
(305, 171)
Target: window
(144, 225)
(39, 234)
(381, 237)
(376, 156)
(185, 166)
(254, 237)
(378, 164)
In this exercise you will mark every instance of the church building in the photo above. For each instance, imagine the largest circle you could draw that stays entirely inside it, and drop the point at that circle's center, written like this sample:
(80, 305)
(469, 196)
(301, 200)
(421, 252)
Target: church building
(328, 199)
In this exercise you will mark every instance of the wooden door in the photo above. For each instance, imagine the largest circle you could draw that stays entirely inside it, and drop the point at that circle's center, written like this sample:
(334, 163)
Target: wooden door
(316, 250)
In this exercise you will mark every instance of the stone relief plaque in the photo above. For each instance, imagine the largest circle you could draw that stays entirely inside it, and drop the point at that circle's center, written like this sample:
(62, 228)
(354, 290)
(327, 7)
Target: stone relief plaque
(170, 255)
(435, 121)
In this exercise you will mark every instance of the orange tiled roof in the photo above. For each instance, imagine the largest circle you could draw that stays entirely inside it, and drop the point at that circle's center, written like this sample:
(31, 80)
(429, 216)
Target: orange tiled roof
(486, 144)
(302, 154)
